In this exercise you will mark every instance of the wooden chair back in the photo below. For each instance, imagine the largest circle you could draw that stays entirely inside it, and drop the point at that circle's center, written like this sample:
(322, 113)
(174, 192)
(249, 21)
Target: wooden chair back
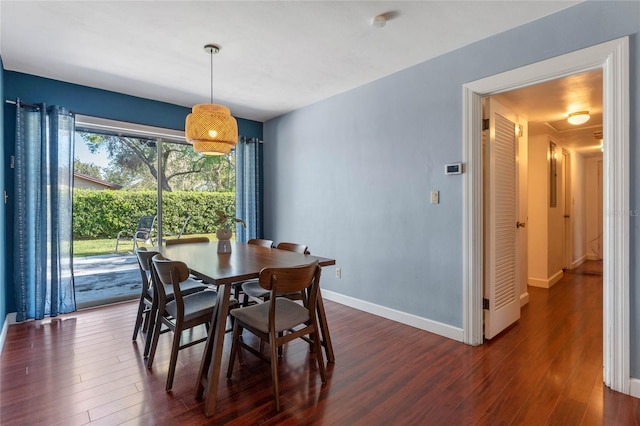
(294, 247)
(144, 260)
(187, 241)
(260, 242)
(170, 271)
(290, 280)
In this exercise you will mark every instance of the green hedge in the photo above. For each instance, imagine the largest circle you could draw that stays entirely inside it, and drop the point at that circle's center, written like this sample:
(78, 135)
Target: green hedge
(102, 214)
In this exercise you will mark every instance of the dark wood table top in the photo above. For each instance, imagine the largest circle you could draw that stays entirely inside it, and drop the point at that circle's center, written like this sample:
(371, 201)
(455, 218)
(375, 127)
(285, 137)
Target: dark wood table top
(244, 262)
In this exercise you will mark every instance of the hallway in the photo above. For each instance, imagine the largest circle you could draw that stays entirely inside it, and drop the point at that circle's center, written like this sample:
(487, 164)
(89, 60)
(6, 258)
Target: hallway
(559, 341)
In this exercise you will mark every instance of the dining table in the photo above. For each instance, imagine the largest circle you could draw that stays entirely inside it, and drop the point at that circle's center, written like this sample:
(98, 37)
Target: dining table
(244, 262)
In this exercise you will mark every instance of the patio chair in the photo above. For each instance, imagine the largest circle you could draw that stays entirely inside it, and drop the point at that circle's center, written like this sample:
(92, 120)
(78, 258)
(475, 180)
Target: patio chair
(142, 234)
(180, 232)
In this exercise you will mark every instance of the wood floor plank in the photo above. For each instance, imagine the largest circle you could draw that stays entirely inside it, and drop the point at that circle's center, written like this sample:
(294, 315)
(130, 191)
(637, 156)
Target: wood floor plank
(83, 368)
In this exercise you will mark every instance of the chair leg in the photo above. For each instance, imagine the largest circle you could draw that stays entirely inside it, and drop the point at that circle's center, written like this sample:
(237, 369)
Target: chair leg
(317, 348)
(152, 315)
(154, 342)
(145, 324)
(136, 328)
(177, 334)
(274, 371)
(235, 343)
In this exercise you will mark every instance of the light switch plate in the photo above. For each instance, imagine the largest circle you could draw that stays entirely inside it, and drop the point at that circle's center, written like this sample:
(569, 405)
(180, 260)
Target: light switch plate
(435, 197)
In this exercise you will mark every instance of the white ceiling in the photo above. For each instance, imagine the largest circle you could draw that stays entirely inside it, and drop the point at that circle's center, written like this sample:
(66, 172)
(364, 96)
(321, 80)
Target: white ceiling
(276, 56)
(546, 107)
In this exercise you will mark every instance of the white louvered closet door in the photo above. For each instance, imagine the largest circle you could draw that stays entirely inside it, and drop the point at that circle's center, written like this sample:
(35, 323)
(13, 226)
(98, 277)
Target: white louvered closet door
(501, 179)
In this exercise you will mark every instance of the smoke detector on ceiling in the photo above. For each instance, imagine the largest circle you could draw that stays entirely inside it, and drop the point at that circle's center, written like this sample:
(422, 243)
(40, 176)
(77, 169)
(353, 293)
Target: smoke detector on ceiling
(379, 21)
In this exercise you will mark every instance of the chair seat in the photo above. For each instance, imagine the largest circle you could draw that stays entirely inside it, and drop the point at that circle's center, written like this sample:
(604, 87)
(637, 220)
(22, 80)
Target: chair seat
(288, 315)
(189, 286)
(195, 305)
(252, 288)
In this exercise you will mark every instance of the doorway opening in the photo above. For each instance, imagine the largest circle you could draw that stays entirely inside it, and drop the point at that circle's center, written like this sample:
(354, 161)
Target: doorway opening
(613, 58)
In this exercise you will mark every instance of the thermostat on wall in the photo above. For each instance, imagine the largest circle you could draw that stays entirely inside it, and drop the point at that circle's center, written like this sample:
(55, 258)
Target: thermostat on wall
(453, 169)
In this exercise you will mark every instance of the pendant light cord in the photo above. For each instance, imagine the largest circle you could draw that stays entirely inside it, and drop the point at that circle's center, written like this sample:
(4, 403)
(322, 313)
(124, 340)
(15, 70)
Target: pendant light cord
(211, 76)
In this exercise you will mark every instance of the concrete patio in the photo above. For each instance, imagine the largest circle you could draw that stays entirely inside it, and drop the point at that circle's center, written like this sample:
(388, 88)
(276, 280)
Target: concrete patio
(104, 279)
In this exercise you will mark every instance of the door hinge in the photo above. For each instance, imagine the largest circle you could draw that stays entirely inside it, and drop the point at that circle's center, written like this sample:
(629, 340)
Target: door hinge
(485, 303)
(485, 124)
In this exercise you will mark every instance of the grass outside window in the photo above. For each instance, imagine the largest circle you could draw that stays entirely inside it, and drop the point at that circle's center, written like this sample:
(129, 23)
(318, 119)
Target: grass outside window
(97, 247)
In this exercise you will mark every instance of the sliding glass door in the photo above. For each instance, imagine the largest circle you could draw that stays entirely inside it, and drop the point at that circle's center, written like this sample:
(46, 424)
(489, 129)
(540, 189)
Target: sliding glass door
(138, 186)
(114, 210)
(193, 188)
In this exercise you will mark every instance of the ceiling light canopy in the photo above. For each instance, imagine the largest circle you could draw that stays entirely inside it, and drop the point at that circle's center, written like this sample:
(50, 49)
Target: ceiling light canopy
(578, 117)
(379, 21)
(210, 128)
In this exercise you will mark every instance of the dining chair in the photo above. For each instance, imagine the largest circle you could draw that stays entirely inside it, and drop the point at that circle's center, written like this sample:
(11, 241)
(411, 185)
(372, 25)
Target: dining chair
(182, 313)
(280, 320)
(146, 298)
(147, 305)
(253, 290)
(237, 287)
(233, 301)
(189, 240)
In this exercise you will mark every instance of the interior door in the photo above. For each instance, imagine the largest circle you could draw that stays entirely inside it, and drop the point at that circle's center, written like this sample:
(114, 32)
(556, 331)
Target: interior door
(502, 300)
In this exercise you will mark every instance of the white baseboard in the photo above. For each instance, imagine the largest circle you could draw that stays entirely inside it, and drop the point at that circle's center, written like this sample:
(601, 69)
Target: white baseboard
(579, 262)
(524, 299)
(425, 324)
(555, 278)
(545, 282)
(634, 387)
(9, 320)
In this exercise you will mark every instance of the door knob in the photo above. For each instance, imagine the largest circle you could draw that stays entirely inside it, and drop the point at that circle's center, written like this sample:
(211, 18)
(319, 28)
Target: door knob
(520, 224)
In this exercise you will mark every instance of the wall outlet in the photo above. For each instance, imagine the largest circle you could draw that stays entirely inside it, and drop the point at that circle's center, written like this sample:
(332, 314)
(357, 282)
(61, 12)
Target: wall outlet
(338, 273)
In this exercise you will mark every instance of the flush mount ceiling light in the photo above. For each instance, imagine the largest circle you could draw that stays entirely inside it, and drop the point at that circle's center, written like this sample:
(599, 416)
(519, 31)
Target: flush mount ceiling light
(210, 128)
(578, 117)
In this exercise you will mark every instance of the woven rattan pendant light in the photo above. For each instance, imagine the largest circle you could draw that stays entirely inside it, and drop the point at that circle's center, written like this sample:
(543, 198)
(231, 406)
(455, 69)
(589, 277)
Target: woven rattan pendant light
(210, 128)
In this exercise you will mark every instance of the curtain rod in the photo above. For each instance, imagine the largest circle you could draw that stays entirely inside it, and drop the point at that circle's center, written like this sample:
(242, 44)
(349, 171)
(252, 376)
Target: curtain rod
(35, 106)
(12, 102)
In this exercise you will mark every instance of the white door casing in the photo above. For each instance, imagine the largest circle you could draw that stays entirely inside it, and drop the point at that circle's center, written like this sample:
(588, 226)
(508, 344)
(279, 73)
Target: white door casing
(501, 287)
(613, 58)
(567, 206)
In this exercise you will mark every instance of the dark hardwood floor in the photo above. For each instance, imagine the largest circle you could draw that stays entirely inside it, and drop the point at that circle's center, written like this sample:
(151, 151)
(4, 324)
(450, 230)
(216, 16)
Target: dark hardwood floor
(546, 369)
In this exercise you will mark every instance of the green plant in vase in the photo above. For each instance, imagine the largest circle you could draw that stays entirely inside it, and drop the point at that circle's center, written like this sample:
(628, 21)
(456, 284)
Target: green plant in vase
(224, 232)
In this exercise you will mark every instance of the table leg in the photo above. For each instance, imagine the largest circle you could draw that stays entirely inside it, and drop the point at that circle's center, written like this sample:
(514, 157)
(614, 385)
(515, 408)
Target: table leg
(212, 356)
(324, 330)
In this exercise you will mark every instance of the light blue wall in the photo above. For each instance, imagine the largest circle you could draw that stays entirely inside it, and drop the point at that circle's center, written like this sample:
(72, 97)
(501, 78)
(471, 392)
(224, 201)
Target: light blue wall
(351, 176)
